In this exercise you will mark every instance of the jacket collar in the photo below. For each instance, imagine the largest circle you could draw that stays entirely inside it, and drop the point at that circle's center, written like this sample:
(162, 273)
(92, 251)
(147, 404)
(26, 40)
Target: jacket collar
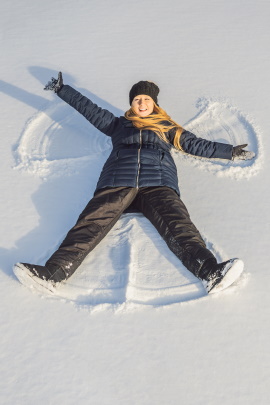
(126, 123)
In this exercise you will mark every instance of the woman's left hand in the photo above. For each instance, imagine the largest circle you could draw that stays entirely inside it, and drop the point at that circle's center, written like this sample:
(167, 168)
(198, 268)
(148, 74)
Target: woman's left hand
(240, 153)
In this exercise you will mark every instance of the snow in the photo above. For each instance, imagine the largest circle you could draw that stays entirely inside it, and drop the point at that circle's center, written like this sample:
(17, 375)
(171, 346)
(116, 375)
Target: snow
(133, 326)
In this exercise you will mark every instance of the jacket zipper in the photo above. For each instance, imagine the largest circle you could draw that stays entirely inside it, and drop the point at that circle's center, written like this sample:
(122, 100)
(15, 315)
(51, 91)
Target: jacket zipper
(139, 160)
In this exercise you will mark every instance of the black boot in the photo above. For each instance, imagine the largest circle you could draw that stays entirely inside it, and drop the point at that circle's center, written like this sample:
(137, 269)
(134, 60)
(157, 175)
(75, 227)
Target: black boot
(217, 277)
(46, 277)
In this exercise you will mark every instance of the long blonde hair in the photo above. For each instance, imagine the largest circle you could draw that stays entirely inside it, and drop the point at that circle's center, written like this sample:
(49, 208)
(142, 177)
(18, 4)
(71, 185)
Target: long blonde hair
(159, 122)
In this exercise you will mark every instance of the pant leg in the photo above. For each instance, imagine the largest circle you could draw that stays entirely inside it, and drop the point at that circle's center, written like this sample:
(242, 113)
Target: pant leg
(166, 211)
(96, 220)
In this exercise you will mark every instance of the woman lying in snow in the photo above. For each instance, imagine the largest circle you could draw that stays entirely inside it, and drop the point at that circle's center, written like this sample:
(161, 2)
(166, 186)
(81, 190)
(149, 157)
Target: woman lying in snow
(139, 174)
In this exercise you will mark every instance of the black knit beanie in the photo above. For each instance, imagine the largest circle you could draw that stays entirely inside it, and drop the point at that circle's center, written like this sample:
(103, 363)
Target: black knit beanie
(144, 87)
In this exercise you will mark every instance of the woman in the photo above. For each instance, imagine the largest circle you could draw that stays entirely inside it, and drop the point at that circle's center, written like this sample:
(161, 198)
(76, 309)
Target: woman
(139, 174)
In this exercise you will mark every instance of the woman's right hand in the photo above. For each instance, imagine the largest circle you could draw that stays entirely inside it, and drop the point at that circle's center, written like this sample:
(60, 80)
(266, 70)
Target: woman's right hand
(55, 84)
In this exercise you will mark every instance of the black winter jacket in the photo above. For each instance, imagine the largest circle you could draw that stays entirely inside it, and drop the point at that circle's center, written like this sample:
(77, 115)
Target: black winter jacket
(139, 157)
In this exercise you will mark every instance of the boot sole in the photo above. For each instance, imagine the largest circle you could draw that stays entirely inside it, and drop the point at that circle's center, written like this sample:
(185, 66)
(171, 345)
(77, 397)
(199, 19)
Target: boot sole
(232, 272)
(31, 281)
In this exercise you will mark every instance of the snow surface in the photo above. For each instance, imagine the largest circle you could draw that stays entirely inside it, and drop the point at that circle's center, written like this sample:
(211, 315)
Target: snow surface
(133, 326)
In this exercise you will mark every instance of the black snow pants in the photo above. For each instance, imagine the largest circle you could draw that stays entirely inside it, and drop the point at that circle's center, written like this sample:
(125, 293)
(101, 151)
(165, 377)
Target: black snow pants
(161, 205)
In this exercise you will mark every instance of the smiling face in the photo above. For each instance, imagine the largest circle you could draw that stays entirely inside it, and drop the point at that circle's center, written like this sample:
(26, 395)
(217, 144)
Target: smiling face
(143, 105)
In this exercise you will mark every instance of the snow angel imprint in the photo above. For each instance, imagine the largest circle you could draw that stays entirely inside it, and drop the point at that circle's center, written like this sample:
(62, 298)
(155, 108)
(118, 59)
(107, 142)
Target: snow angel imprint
(140, 174)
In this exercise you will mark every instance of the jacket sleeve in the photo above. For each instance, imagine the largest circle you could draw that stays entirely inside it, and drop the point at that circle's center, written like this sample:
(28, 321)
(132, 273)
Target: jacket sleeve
(204, 148)
(102, 119)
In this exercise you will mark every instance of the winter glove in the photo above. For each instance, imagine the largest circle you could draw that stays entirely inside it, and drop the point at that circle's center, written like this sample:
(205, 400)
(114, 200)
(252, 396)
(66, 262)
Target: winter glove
(54, 84)
(239, 153)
